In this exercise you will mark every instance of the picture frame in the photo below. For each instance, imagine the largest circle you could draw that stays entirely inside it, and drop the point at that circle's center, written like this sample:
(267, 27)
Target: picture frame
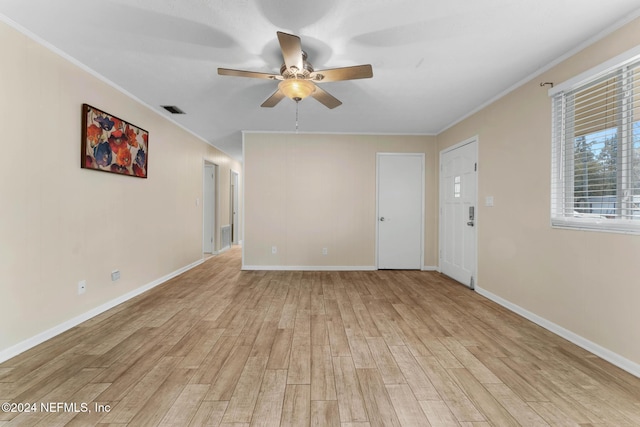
(110, 144)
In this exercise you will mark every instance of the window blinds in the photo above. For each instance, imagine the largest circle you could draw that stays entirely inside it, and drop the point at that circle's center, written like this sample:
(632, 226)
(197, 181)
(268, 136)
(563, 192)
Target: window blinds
(596, 152)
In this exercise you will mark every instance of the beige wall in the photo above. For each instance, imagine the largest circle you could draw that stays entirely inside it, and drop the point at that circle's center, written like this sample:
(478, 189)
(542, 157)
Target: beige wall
(585, 282)
(304, 192)
(60, 224)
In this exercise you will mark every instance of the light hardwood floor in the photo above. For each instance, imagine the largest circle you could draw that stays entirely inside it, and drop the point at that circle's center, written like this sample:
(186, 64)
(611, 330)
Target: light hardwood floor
(220, 347)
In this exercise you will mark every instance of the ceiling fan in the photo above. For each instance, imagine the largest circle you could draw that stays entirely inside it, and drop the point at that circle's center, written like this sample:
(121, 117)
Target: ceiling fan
(298, 78)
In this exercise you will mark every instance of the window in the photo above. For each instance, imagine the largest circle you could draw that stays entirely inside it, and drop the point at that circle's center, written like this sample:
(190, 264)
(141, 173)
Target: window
(596, 151)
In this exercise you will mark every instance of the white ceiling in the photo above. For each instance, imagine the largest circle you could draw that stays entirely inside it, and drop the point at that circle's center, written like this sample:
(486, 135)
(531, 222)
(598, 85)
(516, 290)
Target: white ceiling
(434, 61)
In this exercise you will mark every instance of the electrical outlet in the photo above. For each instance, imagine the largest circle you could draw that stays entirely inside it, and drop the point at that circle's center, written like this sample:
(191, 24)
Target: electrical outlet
(274, 249)
(82, 287)
(325, 251)
(115, 275)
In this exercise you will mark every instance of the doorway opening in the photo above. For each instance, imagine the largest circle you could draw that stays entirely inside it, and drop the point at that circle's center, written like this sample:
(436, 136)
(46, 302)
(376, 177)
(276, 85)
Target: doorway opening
(235, 224)
(209, 217)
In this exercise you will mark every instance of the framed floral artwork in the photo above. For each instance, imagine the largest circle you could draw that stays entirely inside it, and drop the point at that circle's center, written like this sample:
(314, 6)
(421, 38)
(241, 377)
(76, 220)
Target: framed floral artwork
(110, 144)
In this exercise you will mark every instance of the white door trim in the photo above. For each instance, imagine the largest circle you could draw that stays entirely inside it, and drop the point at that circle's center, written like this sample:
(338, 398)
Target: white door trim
(471, 140)
(422, 185)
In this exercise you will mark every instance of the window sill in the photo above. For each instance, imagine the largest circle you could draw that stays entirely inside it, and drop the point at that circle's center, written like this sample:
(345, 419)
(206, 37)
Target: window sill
(603, 225)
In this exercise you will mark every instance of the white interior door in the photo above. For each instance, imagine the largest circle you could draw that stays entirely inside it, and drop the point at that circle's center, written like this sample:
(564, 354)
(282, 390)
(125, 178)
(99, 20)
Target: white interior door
(458, 211)
(400, 210)
(208, 209)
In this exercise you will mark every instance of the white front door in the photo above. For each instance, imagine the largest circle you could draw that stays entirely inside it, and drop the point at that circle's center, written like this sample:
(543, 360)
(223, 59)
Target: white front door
(400, 210)
(458, 211)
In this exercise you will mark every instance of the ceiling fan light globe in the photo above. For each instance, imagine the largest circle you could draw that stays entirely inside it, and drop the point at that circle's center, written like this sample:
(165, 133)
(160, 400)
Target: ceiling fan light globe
(296, 89)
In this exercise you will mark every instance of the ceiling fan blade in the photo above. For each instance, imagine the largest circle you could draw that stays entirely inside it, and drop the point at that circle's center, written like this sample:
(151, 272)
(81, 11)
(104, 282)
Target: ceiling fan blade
(291, 50)
(325, 98)
(273, 99)
(252, 74)
(345, 73)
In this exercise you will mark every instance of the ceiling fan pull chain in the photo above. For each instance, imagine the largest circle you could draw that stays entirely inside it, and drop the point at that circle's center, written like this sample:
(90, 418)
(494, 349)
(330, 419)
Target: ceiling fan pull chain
(297, 116)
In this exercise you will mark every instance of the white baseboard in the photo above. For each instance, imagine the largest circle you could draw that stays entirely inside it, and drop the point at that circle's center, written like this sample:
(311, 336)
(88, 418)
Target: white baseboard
(309, 267)
(621, 362)
(29, 343)
(323, 267)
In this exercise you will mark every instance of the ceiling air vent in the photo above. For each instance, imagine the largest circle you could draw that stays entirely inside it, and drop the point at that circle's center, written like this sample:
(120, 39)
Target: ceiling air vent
(172, 109)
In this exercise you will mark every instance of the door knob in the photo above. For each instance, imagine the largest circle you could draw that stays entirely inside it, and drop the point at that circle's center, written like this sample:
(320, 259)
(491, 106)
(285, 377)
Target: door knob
(381, 218)
(470, 223)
